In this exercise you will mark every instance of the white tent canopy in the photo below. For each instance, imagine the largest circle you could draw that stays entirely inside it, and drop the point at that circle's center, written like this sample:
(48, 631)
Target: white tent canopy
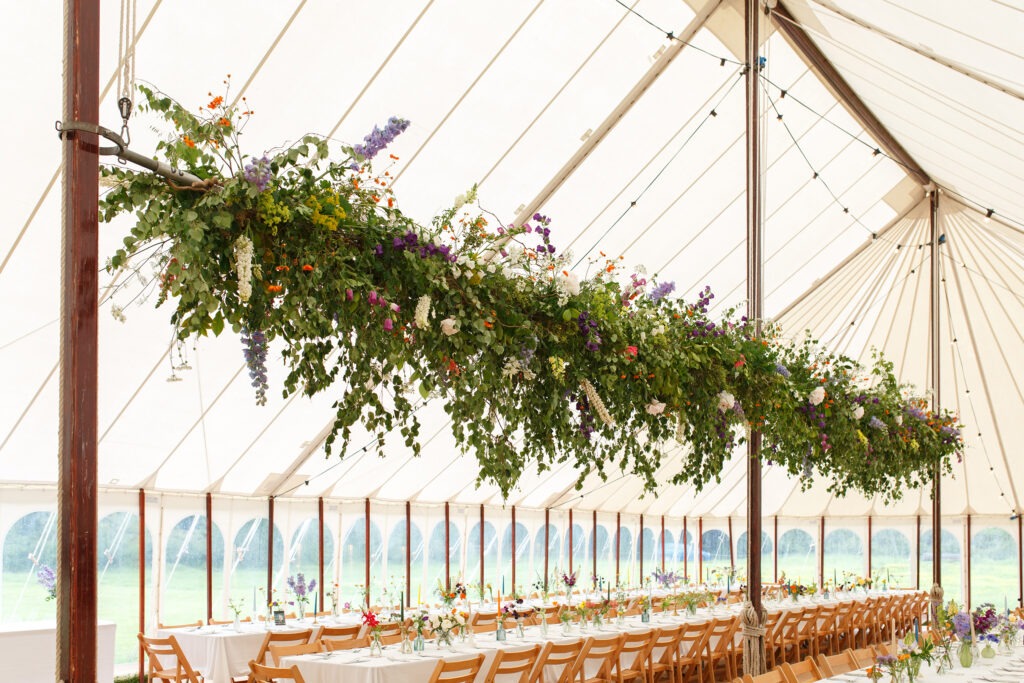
(504, 95)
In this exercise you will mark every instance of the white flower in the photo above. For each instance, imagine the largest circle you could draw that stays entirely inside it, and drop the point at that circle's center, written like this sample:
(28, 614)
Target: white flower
(422, 314)
(680, 430)
(448, 326)
(456, 271)
(596, 403)
(816, 396)
(572, 283)
(655, 407)
(118, 313)
(660, 329)
(858, 412)
(725, 401)
(899, 419)
(491, 267)
(243, 266)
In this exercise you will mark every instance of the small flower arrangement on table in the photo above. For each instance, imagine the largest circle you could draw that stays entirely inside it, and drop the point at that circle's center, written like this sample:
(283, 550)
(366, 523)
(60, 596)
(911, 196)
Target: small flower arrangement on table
(1009, 628)
(601, 611)
(517, 609)
(301, 590)
(448, 597)
(236, 607)
(666, 579)
(375, 626)
(444, 627)
(569, 581)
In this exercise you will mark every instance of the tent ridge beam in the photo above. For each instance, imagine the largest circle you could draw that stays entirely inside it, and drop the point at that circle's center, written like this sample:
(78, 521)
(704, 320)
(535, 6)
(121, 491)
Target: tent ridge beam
(616, 115)
(830, 77)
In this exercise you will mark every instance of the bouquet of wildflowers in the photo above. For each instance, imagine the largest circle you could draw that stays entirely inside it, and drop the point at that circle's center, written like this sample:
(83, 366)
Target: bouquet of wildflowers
(301, 590)
(447, 596)
(666, 579)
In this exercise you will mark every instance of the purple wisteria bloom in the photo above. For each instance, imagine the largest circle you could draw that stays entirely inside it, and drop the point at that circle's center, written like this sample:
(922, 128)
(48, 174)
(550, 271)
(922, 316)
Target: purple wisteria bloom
(379, 139)
(257, 172)
(255, 353)
(876, 423)
(661, 290)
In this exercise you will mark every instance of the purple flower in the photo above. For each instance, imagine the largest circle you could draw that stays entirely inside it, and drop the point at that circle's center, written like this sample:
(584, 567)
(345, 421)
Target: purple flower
(348, 295)
(257, 172)
(255, 354)
(876, 423)
(782, 370)
(48, 580)
(379, 250)
(662, 290)
(379, 139)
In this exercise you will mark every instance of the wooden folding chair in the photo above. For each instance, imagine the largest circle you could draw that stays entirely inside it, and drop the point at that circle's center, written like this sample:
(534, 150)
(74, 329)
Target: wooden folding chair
(789, 636)
(602, 651)
(339, 632)
(801, 672)
(825, 639)
(881, 649)
(167, 627)
(278, 651)
(807, 634)
(719, 647)
(221, 622)
(864, 657)
(458, 671)
(837, 664)
(296, 638)
(346, 644)
(513, 663)
(664, 654)
(842, 627)
(484, 619)
(561, 656)
(631, 664)
(271, 674)
(180, 671)
(773, 676)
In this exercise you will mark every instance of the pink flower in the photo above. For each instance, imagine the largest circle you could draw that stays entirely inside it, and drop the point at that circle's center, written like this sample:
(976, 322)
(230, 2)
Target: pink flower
(396, 308)
(741, 362)
(388, 325)
(631, 351)
(348, 295)
(372, 298)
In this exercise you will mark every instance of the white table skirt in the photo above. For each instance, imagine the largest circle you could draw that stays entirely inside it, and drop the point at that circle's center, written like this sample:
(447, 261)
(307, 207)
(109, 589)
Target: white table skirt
(28, 651)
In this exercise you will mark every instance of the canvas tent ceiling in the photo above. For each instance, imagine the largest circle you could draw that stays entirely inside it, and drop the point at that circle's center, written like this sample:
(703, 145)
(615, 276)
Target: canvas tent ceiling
(503, 94)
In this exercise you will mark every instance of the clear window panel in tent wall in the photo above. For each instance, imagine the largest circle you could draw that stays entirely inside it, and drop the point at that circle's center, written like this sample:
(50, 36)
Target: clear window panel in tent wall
(501, 576)
(629, 542)
(181, 525)
(716, 558)
(651, 548)
(298, 519)
(352, 558)
(118, 569)
(798, 550)
(603, 548)
(558, 562)
(767, 551)
(247, 542)
(529, 550)
(477, 572)
(387, 564)
(893, 550)
(28, 532)
(994, 562)
(951, 547)
(844, 548)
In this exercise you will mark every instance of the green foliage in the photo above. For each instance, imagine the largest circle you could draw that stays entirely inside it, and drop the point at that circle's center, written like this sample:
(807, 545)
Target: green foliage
(534, 367)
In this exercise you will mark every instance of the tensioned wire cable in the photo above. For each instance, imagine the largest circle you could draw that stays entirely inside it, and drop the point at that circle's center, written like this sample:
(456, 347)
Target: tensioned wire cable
(874, 149)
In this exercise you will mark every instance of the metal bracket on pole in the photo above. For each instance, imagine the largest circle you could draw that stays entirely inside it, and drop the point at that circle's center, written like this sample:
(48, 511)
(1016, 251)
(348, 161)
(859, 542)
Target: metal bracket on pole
(121, 151)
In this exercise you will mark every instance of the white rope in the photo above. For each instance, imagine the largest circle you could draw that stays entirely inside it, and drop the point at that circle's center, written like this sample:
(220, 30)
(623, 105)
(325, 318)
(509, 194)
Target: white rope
(184, 545)
(111, 552)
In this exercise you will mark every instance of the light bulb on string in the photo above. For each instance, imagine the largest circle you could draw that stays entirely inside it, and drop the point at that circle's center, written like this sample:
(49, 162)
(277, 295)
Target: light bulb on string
(988, 215)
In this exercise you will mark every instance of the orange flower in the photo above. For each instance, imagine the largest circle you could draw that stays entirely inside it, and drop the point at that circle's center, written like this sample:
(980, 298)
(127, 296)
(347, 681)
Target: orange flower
(188, 141)
(307, 267)
(216, 102)
(274, 288)
(224, 122)
(487, 324)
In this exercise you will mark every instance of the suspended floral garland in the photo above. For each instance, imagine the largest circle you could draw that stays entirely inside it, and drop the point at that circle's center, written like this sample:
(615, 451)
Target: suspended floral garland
(534, 366)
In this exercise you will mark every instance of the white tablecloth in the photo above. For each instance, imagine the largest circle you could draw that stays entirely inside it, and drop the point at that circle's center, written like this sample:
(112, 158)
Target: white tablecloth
(28, 651)
(220, 652)
(357, 667)
(1002, 669)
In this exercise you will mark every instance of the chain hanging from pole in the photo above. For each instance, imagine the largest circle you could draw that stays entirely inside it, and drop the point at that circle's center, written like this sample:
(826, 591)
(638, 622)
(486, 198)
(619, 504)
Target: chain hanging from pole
(126, 64)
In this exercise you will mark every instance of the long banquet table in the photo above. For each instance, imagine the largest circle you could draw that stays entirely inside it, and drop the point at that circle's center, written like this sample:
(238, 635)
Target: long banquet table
(356, 666)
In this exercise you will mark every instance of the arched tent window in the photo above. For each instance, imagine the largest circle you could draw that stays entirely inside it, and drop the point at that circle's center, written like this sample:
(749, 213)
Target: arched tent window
(473, 551)
(436, 555)
(651, 549)
(715, 551)
(602, 549)
(993, 566)
(625, 550)
(797, 557)
(890, 556)
(670, 551)
(249, 556)
(767, 556)
(580, 544)
(184, 571)
(553, 546)
(396, 546)
(951, 559)
(304, 550)
(117, 544)
(30, 543)
(353, 559)
(844, 552)
(522, 551)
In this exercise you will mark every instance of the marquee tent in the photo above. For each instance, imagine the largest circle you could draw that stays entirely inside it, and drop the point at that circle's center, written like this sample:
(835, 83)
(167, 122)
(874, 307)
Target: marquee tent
(632, 141)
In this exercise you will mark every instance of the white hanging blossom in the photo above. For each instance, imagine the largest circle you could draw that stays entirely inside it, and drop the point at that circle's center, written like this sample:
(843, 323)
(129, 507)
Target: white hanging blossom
(422, 314)
(448, 327)
(858, 412)
(725, 401)
(566, 284)
(655, 407)
(899, 419)
(243, 266)
(118, 313)
(467, 197)
(816, 396)
(595, 402)
(514, 367)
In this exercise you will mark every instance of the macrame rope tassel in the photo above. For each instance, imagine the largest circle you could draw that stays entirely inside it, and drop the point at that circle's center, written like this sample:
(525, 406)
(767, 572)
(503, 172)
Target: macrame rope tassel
(754, 632)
